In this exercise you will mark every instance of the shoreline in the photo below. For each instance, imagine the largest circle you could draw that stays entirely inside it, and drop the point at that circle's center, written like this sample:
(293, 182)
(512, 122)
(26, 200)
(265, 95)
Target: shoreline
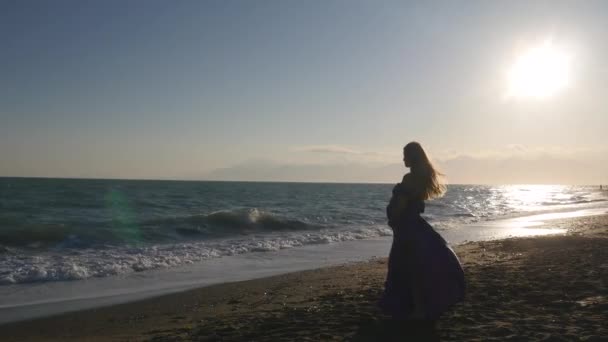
(38, 300)
(518, 287)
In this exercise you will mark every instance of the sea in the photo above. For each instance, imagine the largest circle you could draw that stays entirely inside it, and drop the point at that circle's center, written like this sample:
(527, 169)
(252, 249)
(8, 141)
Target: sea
(73, 229)
(72, 244)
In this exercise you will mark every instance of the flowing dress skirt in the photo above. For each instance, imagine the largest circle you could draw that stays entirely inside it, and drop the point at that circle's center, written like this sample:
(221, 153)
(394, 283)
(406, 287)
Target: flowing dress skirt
(420, 254)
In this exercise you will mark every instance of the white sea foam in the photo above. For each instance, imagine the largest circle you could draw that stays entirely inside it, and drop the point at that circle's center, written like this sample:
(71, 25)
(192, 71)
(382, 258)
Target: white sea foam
(76, 264)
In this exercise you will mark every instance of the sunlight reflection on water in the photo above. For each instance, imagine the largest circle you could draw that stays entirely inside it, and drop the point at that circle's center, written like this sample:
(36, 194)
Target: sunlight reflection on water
(532, 197)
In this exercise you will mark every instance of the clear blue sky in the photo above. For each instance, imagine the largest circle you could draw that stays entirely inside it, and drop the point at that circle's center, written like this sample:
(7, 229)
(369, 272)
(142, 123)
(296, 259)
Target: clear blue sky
(296, 90)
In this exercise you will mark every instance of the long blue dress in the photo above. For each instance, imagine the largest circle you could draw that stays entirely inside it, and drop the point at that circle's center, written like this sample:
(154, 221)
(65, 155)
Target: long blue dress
(420, 254)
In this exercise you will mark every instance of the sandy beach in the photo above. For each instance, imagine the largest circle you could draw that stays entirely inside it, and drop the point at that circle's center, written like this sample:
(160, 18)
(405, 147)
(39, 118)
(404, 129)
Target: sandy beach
(549, 288)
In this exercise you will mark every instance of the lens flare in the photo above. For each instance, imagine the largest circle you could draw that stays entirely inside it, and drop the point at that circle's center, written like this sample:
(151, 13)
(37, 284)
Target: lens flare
(123, 218)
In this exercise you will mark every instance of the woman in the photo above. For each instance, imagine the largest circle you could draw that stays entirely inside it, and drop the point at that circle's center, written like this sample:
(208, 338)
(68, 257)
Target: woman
(424, 275)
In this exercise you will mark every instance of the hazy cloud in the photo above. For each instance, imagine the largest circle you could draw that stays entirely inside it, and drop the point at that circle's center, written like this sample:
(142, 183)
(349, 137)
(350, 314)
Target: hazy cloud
(525, 152)
(327, 149)
(527, 164)
(330, 154)
(512, 164)
(338, 172)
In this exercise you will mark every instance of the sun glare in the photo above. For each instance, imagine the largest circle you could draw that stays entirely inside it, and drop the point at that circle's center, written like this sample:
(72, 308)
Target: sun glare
(539, 72)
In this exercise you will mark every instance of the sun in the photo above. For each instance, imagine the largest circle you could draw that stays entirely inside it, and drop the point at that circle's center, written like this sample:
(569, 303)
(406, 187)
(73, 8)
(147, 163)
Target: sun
(539, 72)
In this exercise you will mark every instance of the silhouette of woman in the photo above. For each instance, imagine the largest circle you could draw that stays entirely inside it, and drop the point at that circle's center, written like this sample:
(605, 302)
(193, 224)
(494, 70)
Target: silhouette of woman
(424, 275)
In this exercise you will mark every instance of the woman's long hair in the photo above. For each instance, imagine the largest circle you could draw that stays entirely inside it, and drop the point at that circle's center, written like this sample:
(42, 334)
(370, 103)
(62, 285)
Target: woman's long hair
(425, 174)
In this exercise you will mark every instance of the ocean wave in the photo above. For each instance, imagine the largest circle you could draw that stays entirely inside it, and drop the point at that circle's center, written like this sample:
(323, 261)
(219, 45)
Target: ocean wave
(35, 235)
(165, 230)
(230, 222)
(254, 218)
(462, 215)
(576, 201)
(17, 267)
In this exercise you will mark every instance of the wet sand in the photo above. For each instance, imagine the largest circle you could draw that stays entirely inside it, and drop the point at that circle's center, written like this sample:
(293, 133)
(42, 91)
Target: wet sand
(552, 288)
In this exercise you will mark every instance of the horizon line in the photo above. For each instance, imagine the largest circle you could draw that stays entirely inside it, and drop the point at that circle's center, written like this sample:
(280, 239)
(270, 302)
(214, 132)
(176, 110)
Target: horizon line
(262, 181)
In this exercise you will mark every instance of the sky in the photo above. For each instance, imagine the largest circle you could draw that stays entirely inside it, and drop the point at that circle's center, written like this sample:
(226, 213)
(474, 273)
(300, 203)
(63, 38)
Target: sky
(299, 90)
